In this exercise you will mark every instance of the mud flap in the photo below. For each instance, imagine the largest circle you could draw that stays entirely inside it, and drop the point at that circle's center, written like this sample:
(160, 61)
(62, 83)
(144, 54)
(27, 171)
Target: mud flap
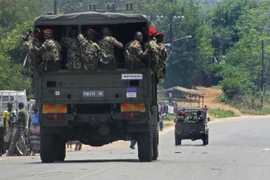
(155, 131)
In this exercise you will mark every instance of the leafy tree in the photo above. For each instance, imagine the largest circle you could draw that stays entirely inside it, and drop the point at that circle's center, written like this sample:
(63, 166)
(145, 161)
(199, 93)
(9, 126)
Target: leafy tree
(246, 53)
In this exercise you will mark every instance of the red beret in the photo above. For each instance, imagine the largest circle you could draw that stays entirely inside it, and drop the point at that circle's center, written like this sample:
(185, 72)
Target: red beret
(47, 31)
(160, 34)
(152, 31)
(38, 35)
(91, 31)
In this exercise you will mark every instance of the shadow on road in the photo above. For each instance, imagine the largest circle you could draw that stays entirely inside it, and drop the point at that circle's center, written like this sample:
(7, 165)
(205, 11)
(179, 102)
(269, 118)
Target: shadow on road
(199, 145)
(90, 161)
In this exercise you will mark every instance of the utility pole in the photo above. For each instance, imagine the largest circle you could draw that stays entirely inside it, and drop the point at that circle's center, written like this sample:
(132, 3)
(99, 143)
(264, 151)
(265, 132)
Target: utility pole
(262, 75)
(171, 31)
(55, 7)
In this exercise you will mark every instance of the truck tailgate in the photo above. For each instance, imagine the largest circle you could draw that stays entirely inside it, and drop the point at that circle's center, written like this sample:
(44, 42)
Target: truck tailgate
(94, 87)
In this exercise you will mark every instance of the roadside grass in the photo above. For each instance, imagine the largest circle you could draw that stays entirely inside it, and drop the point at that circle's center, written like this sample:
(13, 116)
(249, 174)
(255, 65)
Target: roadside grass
(245, 106)
(219, 113)
(169, 117)
(166, 125)
(168, 120)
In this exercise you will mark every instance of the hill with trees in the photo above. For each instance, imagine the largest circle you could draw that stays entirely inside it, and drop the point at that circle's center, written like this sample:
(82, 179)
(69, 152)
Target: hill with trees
(229, 45)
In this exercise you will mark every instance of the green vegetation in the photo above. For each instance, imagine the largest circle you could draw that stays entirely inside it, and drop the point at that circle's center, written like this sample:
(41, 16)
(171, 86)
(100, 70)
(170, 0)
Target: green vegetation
(219, 113)
(227, 42)
(169, 117)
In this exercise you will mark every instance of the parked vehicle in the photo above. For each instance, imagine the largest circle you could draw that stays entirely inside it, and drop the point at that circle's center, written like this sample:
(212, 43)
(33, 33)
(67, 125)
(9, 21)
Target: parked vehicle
(11, 96)
(190, 124)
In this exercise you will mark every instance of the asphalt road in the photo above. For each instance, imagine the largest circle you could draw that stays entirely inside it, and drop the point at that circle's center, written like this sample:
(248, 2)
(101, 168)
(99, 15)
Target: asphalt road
(238, 150)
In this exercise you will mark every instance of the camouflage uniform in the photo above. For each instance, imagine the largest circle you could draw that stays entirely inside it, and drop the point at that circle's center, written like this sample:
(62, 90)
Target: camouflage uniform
(154, 55)
(52, 52)
(162, 58)
(74, 61)
(32, 56)
(107, 49)
(89, 51)
(133, 50)
(162, 53)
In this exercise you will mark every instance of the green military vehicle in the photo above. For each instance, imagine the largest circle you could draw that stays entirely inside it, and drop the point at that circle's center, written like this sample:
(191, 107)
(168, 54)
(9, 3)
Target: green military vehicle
(97, 107)
(191, 124)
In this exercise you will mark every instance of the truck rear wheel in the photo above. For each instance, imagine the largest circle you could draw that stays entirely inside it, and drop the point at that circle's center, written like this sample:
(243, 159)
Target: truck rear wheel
(145, 147)
(205, 139)
(177, 140)
(60, 151)
(47, 148)
(155, 148)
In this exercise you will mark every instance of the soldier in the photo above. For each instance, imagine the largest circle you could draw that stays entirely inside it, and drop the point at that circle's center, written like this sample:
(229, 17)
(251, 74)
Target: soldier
(74, 61)
(21, 125)
(49, 51)
(32, 56)
(133, 49)
(107, 44)
(162, 54)
(89, 50)
(153, 50)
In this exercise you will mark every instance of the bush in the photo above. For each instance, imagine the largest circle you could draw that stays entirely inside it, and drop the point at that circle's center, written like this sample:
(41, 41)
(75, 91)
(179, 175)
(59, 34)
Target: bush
(231, 87)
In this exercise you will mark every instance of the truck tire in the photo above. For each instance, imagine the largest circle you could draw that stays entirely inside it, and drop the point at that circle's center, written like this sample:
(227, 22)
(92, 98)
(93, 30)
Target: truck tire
(145, 147)
(155, 148)
(60, 151)
(177, 140)
(205, 139)
(47, 148)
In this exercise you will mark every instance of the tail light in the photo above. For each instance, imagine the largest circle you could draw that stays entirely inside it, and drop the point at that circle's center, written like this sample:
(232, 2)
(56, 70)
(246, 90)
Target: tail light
(132, 115)
(181, 113)
(55, 117)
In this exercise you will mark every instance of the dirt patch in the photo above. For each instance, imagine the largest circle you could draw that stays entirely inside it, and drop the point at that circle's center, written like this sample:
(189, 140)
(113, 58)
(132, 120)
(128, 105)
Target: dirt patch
(210, 100)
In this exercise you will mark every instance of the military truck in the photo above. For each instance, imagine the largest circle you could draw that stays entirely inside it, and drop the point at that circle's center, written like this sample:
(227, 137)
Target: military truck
(102, 106)
(191, 124)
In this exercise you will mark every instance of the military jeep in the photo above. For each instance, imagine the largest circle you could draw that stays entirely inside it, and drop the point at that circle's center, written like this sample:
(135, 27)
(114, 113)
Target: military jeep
(191, 124)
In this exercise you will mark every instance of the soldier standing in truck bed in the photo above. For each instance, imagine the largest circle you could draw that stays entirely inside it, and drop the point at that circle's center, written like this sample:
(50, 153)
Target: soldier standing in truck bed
(162, 54)
(32, 56)
(49, 51)
(107, 44)
(89, 50)
(133, 49)
(74, 61)
(153, 50)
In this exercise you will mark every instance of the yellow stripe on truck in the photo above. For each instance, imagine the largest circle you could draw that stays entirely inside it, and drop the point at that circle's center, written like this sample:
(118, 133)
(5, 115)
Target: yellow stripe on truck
(132, 107)
(54, 108)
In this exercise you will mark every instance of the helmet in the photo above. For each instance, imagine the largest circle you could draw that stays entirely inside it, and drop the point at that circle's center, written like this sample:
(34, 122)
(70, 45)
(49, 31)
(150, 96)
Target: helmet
(48, 33)
(160, 34)
(38, 35)
(152, 31)
(91, 31)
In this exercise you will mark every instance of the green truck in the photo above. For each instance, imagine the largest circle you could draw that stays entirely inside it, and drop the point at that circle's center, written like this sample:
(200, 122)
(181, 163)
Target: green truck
(97, 107)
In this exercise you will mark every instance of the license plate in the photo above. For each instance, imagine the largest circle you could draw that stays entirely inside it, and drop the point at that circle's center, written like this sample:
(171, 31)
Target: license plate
(93, 93)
